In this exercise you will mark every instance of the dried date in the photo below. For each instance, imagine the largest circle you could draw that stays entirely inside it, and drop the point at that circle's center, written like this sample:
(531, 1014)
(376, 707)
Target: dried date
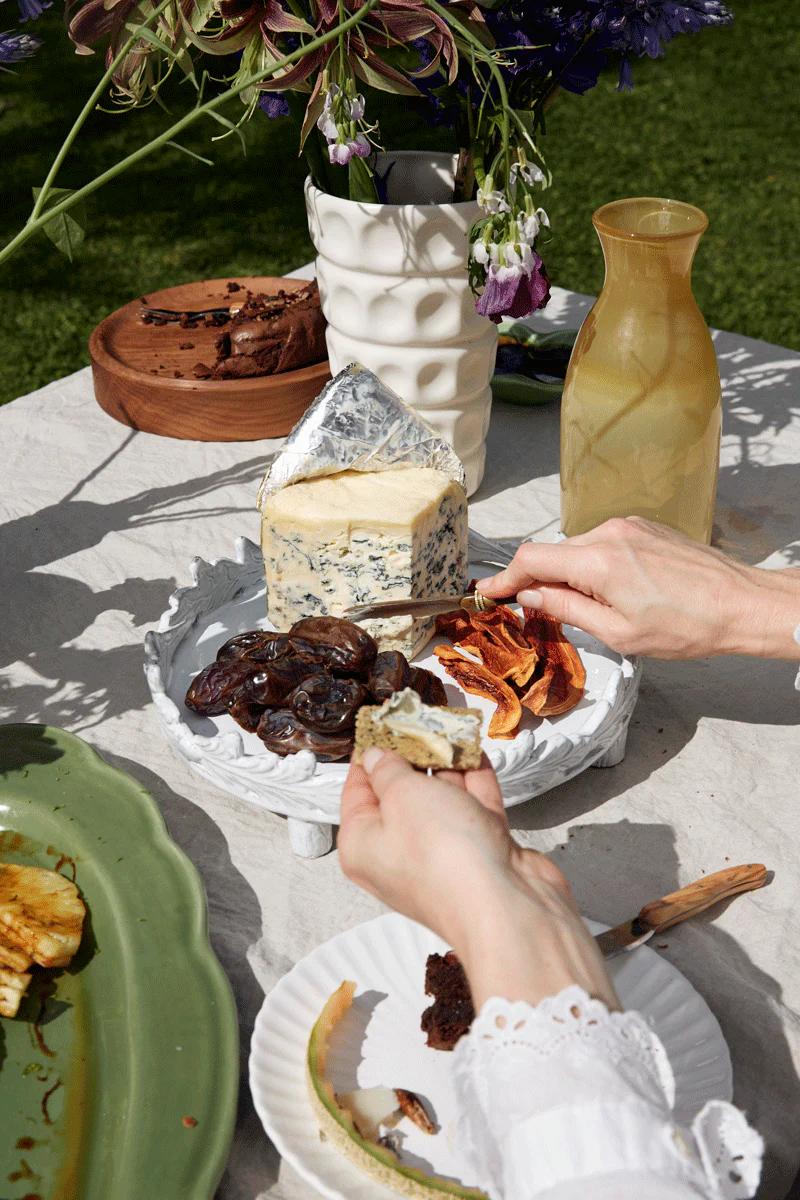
(343, 646)
(428, 686)
(245, 712)
(216, 685)
(391, 673)
(283, 733)
(258, 645)
(271, 684)
(327, 704)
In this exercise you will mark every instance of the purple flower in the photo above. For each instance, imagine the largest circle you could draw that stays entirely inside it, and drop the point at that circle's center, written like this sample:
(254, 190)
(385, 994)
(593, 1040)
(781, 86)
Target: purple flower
(625, 75)
(340, 153)
(273, 104)
(338, 124)
(572, 41)
(513, 292)
(29, 10)
(14, 47)
(645, 27)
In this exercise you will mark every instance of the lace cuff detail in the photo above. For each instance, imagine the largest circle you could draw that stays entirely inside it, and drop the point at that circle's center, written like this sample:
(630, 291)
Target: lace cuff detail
(569, 1091)
(797, 676)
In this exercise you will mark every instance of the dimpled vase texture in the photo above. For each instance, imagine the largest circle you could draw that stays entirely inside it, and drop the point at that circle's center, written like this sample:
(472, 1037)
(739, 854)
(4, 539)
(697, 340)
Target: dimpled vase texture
(394, 288)
(640, 413)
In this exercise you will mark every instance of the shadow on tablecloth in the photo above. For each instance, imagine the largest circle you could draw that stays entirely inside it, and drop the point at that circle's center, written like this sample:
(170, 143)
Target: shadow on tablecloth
(81, 644)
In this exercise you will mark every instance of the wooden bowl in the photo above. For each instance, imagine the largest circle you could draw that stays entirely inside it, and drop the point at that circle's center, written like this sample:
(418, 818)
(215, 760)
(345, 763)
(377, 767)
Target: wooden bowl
(143, 374)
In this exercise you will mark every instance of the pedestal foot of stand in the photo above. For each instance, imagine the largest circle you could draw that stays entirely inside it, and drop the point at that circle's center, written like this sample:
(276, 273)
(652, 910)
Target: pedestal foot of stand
(616, 751)
(309, 839)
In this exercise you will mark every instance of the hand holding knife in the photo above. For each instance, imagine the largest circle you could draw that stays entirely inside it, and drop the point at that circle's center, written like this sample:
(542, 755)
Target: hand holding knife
(678, 906)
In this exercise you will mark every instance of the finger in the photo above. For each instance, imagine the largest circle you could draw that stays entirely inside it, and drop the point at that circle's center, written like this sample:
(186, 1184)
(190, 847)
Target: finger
(456, 778)
(572, 607)
(389, 774)
(359, 827)
(358, 798)
(482, 784)
(536, 563)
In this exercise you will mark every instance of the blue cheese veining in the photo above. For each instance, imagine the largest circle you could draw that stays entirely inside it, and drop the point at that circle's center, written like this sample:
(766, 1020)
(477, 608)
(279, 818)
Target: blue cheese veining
(358, 537)
(437, 730)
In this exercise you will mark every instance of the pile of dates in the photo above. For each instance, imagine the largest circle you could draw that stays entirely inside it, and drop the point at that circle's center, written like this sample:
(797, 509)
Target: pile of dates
(301, 690)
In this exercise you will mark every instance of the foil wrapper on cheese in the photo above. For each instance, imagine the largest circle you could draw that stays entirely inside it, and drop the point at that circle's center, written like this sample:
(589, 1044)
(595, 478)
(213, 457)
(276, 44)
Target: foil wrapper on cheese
(358, 424)
(364, 503)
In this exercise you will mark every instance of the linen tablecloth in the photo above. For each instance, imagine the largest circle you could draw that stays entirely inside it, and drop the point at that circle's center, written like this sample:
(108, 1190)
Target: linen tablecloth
(99, 525)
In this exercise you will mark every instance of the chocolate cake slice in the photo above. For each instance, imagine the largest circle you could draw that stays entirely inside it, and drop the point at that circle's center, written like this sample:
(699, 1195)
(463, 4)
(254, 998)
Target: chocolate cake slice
(270, 334)
(451, 1014)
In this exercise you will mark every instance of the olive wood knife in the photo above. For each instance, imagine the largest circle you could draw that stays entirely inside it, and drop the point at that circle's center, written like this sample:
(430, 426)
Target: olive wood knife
(678, 906)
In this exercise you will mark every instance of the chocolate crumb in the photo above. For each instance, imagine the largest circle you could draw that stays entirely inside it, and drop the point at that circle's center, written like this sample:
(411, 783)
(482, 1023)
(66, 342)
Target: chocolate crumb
(234, 287)
(186, 346)
(177, 374)
(201, 371)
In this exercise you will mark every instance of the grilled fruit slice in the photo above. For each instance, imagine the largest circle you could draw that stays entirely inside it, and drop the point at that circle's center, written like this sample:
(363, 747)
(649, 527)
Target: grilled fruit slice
(12, 958)
(41, 914)
(13, 985)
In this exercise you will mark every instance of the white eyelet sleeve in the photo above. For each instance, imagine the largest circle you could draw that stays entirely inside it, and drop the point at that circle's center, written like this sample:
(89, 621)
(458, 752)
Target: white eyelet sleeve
(568, 1100)
(797, 639)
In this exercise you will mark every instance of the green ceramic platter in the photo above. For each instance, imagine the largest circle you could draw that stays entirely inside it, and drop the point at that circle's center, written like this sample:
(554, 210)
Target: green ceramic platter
(119, 1077)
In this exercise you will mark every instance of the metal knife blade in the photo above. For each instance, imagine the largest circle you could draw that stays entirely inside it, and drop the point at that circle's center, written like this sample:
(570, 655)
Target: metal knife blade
(679, 906)
(622, 938)
(431, 606)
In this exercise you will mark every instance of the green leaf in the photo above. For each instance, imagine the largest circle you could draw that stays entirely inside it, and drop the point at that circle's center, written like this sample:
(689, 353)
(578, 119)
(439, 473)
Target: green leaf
(67, 230)
(362, 183)
(384, 80)
(147, 35)
(209, 162)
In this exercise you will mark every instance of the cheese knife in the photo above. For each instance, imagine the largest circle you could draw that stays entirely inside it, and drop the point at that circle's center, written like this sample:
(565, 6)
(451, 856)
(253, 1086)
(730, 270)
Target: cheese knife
(678, 906)
(432, 606)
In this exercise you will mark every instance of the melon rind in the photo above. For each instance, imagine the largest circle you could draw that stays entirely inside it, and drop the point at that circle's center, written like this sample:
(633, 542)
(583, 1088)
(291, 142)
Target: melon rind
(336, 1124)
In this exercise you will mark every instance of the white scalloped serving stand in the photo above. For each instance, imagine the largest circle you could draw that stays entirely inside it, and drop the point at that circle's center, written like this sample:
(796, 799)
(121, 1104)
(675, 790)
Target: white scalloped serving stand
(228, 597)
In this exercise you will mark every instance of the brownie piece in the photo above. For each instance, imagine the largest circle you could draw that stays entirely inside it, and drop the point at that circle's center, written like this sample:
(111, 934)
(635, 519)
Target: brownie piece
(271, 334)
(451, 1014)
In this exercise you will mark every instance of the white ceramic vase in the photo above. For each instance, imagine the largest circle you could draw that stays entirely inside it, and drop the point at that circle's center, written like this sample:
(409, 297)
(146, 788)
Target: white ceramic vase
(394, 288)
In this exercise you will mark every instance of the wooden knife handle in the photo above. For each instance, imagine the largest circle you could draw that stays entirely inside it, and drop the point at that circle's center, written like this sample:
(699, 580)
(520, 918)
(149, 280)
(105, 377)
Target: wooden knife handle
(697, 896)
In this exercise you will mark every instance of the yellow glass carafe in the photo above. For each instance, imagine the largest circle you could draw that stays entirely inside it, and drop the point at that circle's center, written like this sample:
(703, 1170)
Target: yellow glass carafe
(640, 414)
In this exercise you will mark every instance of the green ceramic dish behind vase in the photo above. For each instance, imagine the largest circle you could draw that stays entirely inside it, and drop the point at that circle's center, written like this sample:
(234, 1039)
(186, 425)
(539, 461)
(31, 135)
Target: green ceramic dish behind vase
(640, 414)
(122, 1084)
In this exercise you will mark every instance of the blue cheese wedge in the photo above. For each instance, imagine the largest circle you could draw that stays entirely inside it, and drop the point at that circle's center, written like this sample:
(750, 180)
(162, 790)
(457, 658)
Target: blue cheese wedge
(336, 541)
(428, 735)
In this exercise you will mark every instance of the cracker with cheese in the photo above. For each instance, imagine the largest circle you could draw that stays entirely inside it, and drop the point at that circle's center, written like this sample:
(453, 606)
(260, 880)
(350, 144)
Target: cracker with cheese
(427, 735)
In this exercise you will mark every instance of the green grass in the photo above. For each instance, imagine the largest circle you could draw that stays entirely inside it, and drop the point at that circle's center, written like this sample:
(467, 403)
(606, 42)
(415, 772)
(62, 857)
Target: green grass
(712, 125)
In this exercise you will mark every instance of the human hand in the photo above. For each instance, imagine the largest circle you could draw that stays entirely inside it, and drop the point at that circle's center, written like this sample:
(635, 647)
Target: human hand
(644, 589)
(438, 849)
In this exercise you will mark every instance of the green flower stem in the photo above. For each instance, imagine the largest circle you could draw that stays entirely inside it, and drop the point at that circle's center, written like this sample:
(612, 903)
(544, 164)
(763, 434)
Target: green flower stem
(34, 225)
(478, 48)
(89, 107)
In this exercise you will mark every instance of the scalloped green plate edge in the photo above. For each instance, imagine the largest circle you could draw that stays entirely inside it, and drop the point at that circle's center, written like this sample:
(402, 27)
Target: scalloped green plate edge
(143, 1029)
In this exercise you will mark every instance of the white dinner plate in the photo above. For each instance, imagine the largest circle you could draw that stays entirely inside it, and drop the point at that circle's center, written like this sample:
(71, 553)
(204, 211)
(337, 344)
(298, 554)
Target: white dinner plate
(380, 1042)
